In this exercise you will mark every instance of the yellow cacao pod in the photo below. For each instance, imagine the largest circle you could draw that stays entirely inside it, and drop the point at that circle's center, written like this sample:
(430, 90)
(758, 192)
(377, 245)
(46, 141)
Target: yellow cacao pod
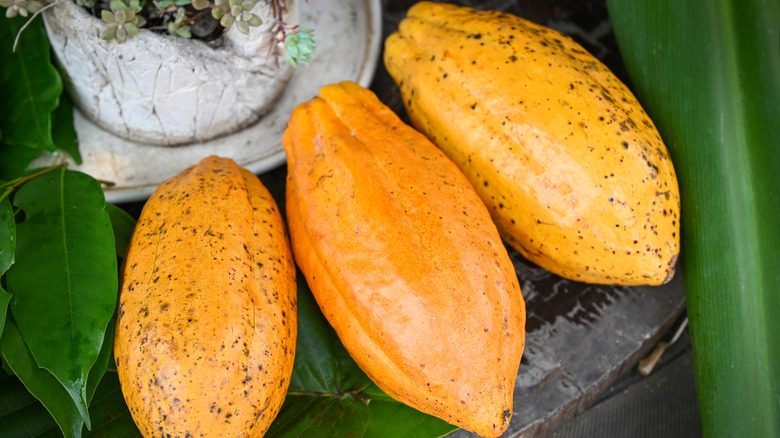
(403, 259)
(570, 166)
(206, 325)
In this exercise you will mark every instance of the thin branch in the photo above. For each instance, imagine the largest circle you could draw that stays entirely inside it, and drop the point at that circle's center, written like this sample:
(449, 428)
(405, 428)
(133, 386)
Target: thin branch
(38, 12)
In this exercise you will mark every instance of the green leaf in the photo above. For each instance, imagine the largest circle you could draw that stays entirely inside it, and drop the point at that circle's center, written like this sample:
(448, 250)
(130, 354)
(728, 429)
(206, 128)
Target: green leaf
(15, 160)
(709, 75)
(65, 277)
(7, 249)
(62, 130)
(40, 383)
(390, 419)
(109, 412)
(322, 364)
(30, 86)
(123, 225)
(101, 364)
(330, 396)
(22, 415)
(320, 415)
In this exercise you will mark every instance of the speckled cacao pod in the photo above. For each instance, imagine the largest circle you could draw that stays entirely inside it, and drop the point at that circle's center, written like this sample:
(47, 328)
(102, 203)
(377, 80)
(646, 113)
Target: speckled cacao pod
(571, 167)
(403, 259)
(206, 325)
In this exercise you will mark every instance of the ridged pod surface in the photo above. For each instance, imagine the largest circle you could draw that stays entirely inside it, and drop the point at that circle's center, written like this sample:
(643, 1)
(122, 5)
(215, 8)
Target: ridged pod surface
(572, 169)
(403, 259)
(206, 326)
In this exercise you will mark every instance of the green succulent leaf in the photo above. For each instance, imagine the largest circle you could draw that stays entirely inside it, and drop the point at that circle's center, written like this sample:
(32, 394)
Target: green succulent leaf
(29, 80)
(64, 282)
(108, 33)
(107, 16)
(243, 27)
(21, 414)
(226, 20)
(200, 4)
(299, 47)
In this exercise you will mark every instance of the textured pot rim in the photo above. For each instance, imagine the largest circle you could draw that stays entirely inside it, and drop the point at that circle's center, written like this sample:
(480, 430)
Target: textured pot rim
(342, 53)
(229, 65)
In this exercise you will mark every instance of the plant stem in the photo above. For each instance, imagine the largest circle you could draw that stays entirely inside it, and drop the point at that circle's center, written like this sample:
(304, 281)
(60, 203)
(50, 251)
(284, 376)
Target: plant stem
(27, 23)
(12, 185)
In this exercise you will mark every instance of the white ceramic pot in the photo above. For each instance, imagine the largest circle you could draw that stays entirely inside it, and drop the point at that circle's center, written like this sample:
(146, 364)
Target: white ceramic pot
(166, 90)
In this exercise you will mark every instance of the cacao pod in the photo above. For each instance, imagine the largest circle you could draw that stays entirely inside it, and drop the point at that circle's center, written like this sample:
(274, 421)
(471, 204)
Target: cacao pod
(570, 166)
(403, 259)
(206, 324)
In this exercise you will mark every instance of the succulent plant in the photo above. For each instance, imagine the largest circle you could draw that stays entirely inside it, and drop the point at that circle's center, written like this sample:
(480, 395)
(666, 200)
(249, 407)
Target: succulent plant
(125, 17)
(178, 26)
(299, 47)
(123, 20)
(20, 7)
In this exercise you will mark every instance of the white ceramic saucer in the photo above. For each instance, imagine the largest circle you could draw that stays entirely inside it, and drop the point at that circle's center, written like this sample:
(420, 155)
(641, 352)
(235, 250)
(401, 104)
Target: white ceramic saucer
(348, 34)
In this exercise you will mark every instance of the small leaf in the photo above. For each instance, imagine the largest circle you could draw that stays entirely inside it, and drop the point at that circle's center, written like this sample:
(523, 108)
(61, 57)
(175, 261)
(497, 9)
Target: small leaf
(123, 225)
(184, 32)
(109, 33)
(131, 29)
(121, 34)
(65, 279)
(62, 129)
(255, 20)
(200, 4)
(15, 160)
(40, 382)
(107, 16)
(243, 27)
(30, 86)
(226, 20)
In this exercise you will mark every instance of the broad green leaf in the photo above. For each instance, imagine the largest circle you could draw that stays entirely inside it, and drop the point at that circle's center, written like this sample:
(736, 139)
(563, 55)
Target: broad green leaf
(62, 130)
(708, 74)
(22, 415)
(321, 415)
(40, 383)
(7, 248)
(109, 412)
(390, 419)
(321, 363)
(101, 364)
(64, 280)
(330, 396)
(15, 160)
(30, 86)
(123, 225)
